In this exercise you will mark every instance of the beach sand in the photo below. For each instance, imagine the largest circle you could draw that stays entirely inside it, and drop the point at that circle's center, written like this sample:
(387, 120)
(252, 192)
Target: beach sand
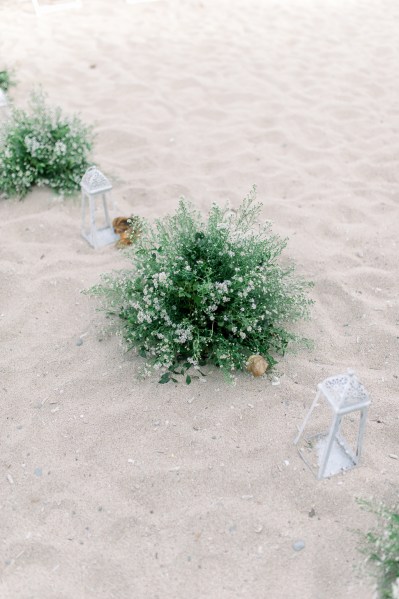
(116, 488)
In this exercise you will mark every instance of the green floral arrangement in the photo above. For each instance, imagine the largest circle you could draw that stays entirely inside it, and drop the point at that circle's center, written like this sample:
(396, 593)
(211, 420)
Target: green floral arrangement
(6, 80)
(43, 147)
(206, 292)
(381, 546)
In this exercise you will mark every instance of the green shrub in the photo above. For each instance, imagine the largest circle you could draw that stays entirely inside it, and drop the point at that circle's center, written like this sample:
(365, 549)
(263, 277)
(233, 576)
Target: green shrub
(206, 291)
(6, 80)
(382, 549)
(43, 147)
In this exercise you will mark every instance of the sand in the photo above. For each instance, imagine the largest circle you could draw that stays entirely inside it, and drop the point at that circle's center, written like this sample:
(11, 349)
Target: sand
(116, 488)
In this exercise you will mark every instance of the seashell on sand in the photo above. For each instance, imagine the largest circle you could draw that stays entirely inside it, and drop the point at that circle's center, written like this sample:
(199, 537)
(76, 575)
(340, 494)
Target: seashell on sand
(257, 365)
(128, 228)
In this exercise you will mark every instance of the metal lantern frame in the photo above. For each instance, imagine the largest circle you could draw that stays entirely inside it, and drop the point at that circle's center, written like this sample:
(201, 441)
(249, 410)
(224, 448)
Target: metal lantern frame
(345, 395)
(95, 185)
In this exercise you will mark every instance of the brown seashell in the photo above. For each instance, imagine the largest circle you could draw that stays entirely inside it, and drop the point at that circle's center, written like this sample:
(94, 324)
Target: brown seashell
(120, 224)
(124, 238)
(257, 365)
(128, 228)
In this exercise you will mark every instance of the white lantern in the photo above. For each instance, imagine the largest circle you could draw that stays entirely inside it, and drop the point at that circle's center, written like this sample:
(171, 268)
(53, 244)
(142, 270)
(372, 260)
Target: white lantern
(46, 6)
(3, 100)
(327, 453)
(5, 113)
(4, 106)
(96, 186)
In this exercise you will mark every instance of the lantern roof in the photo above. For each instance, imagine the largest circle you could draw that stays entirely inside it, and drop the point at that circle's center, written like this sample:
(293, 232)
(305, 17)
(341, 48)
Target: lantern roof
(94, 181)
(345, 391)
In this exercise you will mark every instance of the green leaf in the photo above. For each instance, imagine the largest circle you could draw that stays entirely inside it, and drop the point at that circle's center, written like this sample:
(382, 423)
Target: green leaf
(165, 378)
(188, 379)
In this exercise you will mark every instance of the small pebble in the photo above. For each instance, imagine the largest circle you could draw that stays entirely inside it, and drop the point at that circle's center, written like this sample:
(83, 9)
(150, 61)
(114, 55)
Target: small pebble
(393, 456)
(38, 472)
(232, 529)
(79, 342)
(298, 545)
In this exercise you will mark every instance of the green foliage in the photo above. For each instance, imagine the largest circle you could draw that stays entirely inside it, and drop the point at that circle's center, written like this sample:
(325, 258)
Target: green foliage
(43, 147)
(206, 292)
(6, 80)
(382, 549)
